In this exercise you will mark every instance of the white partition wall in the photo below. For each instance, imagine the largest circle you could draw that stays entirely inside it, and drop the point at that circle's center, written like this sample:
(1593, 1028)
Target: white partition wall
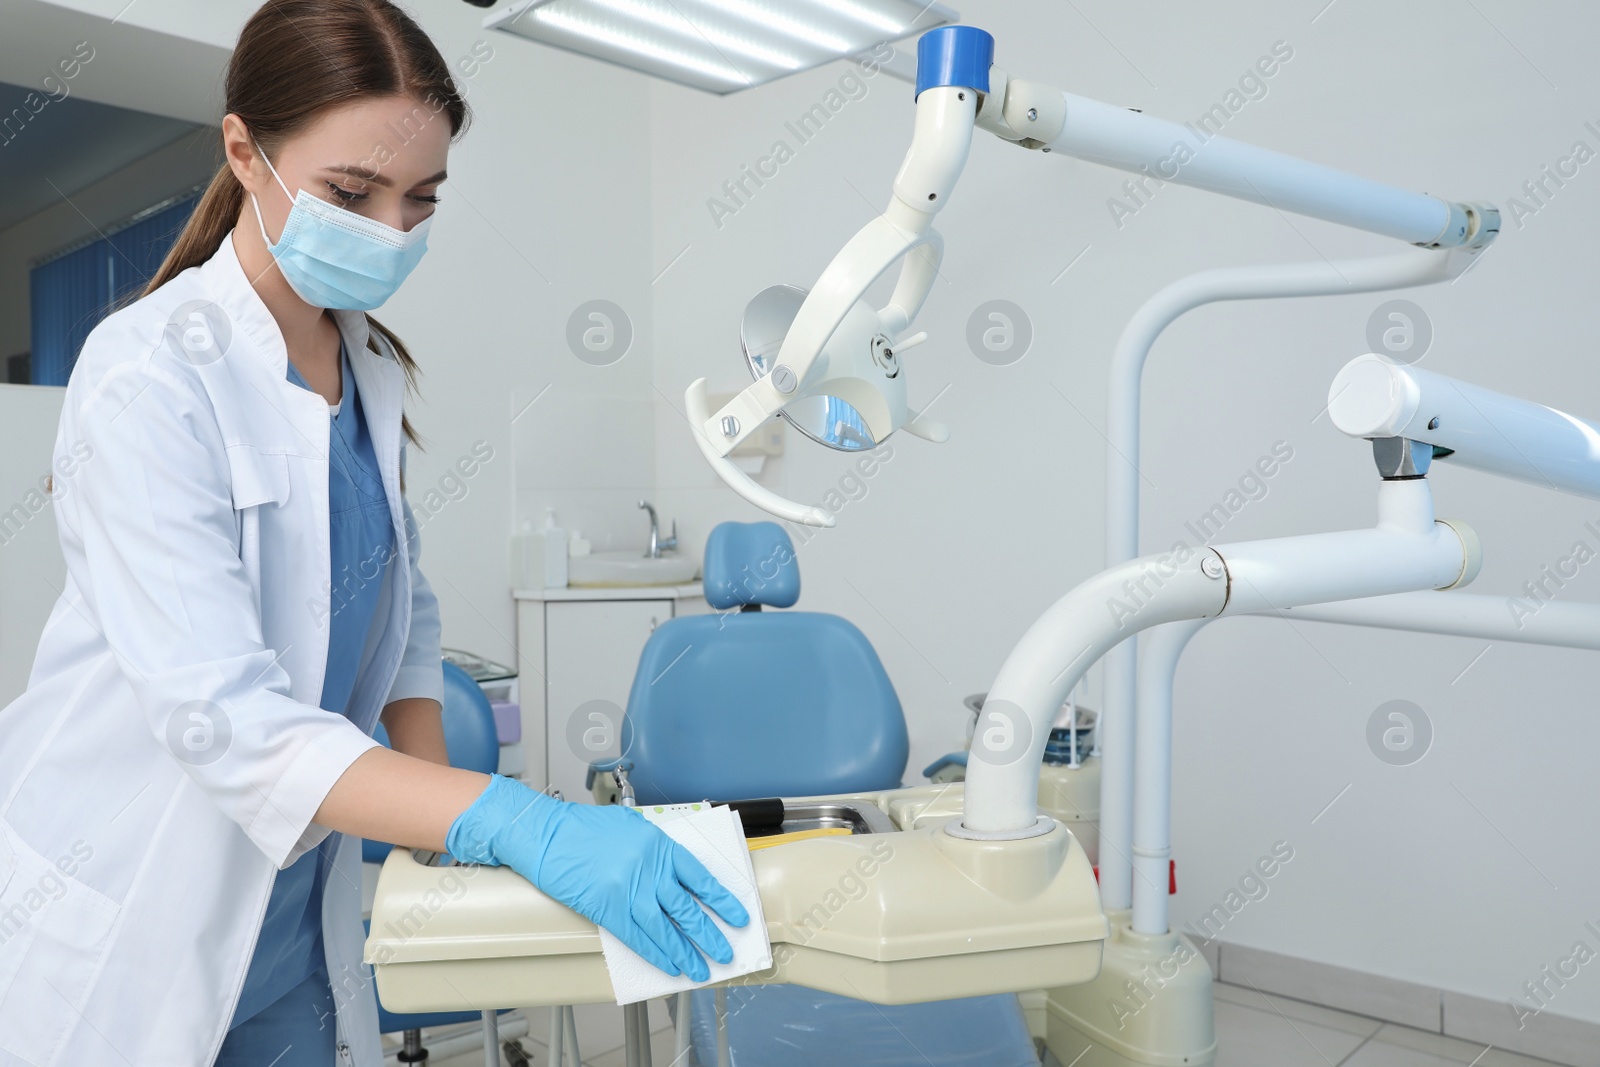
(31, 567)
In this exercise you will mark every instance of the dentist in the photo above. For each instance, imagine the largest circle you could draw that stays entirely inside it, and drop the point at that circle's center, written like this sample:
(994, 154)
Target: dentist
(185, 780)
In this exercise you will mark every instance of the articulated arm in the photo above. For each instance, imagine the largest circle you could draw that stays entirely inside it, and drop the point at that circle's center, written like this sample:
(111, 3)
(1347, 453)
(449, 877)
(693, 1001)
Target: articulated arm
(839, 347)
(1039, 116)
(1407, 550)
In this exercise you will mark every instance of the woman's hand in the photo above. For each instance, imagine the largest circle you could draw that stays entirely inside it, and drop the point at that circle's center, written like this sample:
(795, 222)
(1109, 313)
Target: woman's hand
(608, 864)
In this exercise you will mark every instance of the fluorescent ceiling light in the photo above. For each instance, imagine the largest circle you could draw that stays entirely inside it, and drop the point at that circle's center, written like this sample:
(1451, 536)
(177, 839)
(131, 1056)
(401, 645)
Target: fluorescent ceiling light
(718, 45)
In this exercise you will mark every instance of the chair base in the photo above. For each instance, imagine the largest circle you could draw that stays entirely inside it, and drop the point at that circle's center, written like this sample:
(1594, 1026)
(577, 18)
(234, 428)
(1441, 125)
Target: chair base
(1150, 1007)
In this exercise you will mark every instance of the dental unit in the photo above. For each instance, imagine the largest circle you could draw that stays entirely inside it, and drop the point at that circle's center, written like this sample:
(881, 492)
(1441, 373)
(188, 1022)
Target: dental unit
(985, 894)
(1450, 236)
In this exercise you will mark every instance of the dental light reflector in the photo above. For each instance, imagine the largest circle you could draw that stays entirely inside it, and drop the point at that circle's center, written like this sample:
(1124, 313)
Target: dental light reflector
(717, 45)
(827, 420)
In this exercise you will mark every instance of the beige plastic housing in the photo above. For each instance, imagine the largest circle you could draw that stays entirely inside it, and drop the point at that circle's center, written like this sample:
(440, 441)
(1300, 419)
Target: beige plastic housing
(1151, 1005)
(891, 918)
(1071, 795)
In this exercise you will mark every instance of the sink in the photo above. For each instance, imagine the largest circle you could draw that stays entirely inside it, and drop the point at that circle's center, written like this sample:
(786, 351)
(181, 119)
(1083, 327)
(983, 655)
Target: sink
(603, 569)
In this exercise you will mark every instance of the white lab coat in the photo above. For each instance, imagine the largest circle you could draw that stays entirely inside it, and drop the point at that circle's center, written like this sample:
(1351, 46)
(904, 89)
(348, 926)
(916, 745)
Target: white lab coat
(138, 843)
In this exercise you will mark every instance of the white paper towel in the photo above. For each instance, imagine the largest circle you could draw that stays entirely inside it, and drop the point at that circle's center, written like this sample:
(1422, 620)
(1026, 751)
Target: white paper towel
(715, 836)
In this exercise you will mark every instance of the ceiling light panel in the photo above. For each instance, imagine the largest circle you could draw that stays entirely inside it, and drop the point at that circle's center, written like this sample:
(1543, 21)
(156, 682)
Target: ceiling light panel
(718, 45)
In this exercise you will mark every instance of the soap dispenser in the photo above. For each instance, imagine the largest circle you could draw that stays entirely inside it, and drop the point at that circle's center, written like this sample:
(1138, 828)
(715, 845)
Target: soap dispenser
(555, 552)
(539, 557)
(523, 560)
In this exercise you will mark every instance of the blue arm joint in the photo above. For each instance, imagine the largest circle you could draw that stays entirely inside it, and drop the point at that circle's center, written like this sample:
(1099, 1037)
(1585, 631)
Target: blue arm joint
(954, 55)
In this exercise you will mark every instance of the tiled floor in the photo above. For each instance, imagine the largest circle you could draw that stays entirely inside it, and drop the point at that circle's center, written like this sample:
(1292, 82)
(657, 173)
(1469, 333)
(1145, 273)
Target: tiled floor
(1256, 1030)
(1253, 1030)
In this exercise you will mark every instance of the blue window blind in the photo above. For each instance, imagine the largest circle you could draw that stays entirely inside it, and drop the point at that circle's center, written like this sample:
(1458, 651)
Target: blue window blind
(71, 292)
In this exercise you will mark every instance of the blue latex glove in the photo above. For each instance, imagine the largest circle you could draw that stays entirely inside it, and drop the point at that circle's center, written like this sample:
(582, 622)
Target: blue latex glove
(608, 864)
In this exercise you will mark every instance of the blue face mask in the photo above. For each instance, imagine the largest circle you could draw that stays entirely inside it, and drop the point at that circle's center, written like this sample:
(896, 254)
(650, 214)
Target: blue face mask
(334, 258)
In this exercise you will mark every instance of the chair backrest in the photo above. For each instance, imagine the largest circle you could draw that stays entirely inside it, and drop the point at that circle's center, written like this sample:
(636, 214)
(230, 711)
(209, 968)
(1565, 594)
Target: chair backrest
(750, 563)
(760, 703)
(468, 719)
(469, 736)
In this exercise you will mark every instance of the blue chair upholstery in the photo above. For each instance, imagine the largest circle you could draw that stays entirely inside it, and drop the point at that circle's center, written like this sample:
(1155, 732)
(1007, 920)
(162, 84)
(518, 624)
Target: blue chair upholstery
(792, 1026)
(468, 718)
(469, 737)
(728, 707)
(756, 703)
(750, 563)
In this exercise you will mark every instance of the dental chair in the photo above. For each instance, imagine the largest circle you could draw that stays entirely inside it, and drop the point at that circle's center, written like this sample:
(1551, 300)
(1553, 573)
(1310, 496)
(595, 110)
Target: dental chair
(751, 703)
(471, 741)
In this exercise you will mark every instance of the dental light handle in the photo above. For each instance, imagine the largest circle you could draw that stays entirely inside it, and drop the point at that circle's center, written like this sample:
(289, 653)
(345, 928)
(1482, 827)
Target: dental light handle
(1373, 396)
(695, 404)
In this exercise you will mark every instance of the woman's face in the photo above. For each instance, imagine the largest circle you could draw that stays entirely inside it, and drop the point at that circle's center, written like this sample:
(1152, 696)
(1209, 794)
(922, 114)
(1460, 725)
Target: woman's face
(382, 157)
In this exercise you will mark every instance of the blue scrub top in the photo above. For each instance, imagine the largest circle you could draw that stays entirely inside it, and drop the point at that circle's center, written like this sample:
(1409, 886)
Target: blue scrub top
(361, 543)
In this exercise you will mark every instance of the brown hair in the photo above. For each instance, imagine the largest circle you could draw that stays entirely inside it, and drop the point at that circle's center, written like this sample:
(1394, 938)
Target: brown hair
(295, 58)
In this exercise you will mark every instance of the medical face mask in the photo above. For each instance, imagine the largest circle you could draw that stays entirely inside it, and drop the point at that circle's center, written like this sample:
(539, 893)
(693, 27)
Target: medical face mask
(334, 258)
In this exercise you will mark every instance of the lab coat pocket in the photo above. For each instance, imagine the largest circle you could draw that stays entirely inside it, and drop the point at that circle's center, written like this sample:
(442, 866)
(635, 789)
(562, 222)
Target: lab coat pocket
(258, 477)
(54, 931)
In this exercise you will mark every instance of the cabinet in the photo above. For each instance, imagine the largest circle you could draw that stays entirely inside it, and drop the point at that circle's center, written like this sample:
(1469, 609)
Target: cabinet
(579, 650)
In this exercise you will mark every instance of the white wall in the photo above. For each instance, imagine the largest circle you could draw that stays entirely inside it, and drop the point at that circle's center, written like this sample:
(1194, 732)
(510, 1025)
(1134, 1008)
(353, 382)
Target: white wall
(546, 209)
(580, 182)
(32, 572)
(1459, 871)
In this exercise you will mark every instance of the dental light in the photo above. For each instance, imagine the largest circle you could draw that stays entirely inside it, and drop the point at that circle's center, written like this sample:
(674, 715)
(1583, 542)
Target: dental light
(717, 45)
(840, 355)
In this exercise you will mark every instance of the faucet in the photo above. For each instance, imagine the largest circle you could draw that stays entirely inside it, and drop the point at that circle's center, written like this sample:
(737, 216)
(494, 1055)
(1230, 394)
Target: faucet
(657, 545)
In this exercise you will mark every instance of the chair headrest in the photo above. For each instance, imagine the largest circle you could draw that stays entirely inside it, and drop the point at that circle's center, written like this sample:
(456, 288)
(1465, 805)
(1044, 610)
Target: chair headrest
(750, 563)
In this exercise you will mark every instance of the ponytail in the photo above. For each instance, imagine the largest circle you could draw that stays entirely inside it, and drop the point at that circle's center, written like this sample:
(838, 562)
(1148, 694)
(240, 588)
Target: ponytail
(213, 217)
(402, 355)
